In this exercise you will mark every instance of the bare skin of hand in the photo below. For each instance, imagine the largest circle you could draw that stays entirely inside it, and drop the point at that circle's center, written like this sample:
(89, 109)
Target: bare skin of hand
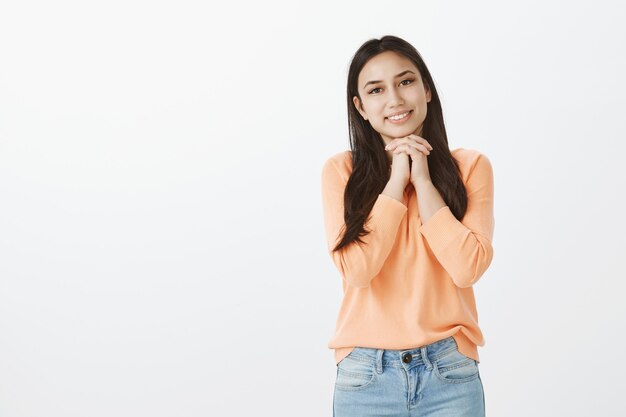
(429, 200)
(418, 149)
(400, 168)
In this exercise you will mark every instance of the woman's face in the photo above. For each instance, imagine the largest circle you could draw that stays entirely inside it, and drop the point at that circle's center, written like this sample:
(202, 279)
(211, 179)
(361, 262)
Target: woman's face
(397, 88)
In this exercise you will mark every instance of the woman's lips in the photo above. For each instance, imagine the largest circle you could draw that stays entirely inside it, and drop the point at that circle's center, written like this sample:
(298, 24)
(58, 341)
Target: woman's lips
(404, 119)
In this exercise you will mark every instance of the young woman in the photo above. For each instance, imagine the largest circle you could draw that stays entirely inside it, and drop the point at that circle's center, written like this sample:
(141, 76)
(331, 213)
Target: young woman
(409, 225)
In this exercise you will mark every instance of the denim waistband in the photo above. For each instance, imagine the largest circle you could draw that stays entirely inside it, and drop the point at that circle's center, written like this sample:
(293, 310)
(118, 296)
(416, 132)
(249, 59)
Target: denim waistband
(393, 357)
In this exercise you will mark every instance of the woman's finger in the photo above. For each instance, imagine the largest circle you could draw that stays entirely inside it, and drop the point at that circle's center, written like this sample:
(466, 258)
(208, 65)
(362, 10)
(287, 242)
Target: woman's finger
(412, 145)
(409, 140)
(421, 140)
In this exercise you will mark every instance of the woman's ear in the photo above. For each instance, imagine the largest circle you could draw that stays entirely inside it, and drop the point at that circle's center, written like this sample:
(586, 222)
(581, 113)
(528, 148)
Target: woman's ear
(357, 104)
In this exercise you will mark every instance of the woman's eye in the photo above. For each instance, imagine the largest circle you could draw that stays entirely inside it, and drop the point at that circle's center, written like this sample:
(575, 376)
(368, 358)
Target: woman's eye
(378, 88)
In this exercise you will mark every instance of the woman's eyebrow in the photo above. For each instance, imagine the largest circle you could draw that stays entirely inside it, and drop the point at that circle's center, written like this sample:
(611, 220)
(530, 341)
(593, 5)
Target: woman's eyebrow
(380, 81)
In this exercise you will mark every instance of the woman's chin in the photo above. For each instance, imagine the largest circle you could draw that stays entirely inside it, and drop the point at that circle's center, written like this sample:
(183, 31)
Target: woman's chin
(403, 131)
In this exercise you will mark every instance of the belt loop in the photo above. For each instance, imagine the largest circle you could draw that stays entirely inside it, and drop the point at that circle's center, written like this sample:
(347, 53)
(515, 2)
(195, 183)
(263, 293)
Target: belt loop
(424, 352)
(379, 361)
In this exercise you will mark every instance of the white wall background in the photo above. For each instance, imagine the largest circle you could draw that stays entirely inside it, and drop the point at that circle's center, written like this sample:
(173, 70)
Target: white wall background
(161, 238)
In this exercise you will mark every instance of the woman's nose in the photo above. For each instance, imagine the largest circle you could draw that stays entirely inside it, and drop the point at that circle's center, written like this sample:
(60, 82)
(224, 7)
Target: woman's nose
(394, 97)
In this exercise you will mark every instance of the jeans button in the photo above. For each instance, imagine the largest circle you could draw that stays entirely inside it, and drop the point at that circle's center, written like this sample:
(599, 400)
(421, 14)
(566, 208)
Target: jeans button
(406, 358)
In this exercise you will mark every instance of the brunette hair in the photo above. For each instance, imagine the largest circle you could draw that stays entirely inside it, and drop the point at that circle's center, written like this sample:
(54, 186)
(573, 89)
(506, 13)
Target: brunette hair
(370, 166)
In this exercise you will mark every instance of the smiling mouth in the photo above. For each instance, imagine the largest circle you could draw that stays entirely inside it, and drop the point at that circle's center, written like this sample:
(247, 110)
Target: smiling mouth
(398, 118)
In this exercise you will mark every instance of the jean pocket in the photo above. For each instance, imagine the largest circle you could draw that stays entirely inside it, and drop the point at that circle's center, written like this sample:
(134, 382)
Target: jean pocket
(354, 373)
(454, 367)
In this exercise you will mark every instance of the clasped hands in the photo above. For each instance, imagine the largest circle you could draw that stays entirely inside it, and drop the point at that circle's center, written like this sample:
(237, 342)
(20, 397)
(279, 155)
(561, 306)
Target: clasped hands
(418, 149)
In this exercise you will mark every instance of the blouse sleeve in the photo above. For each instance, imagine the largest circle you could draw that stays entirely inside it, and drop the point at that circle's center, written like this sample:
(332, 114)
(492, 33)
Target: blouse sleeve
(464, 247)
(358, 263)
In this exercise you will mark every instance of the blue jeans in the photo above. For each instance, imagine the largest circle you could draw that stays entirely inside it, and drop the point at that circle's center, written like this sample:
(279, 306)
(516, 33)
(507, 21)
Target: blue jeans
(434, 380)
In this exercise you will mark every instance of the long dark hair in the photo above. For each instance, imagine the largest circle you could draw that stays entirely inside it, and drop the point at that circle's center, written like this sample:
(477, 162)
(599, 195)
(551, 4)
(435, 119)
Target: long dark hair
(370, 166)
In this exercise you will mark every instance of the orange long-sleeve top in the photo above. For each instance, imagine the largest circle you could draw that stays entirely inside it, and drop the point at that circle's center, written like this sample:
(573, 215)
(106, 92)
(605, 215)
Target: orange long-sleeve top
(411, 284)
